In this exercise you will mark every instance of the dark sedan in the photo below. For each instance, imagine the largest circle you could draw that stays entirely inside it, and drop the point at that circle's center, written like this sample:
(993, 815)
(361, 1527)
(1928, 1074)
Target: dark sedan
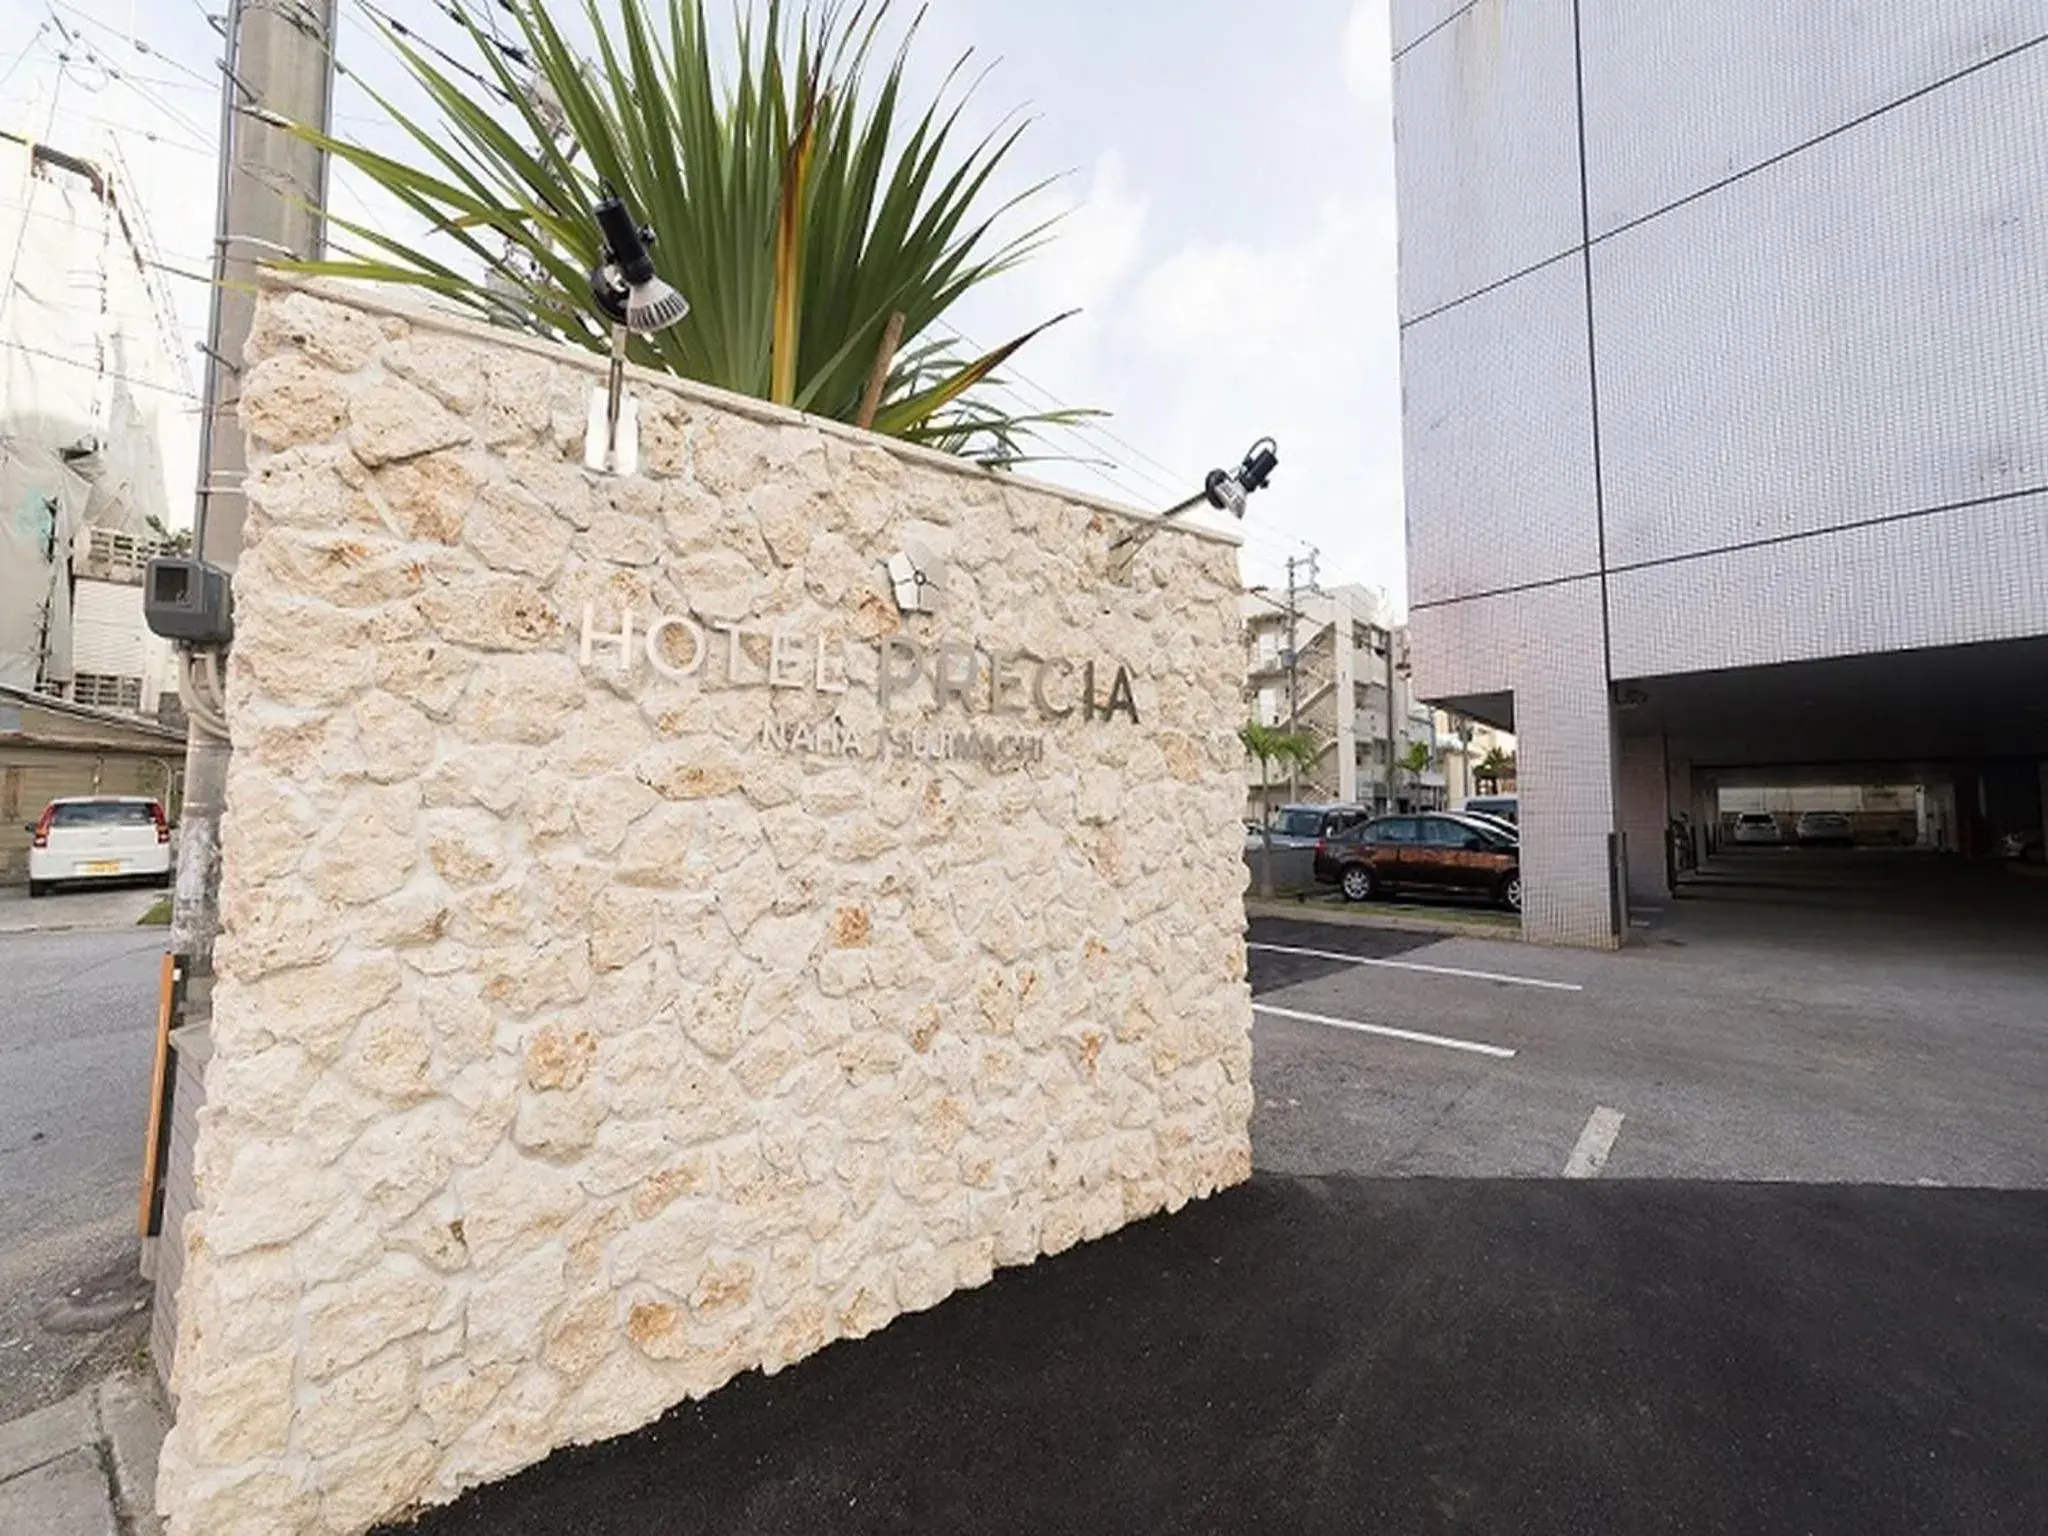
(1424, 854)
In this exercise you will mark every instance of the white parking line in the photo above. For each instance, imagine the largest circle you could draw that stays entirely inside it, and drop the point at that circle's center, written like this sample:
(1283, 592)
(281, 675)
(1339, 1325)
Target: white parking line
(1388, 1030)
(1415, 965)
(1595, 1142)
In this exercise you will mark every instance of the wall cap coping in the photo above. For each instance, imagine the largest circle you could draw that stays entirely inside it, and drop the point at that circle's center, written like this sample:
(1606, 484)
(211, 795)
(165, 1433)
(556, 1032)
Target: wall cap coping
(370, 300)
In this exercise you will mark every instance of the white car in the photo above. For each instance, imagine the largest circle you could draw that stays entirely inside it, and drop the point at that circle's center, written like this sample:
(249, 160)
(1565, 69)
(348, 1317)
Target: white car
(1757, 827)
(99, 837)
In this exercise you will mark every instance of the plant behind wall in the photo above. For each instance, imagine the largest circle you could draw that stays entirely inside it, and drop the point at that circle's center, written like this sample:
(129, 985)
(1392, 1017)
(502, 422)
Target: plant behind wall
(819, 223)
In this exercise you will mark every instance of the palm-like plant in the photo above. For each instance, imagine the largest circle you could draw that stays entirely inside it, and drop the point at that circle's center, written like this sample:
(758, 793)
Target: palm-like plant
(815, 227)
(1270, 745)
(1492, 768)
(1414, 760)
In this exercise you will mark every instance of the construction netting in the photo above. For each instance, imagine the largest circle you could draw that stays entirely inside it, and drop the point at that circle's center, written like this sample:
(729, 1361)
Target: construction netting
(91, 389)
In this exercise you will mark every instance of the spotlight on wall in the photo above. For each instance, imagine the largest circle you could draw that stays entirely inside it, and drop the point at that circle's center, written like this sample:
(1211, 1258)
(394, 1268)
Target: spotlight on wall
(625, 284)
(1227, 490)
(628, 292)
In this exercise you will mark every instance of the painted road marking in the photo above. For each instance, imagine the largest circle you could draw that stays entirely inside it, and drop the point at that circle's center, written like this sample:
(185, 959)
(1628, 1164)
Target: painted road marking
(1387, 1030)
(1414, 965)
(1595, 1142)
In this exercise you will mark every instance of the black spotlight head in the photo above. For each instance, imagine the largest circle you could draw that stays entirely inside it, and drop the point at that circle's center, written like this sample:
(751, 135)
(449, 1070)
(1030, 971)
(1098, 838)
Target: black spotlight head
(625, 242)
(1259, 465)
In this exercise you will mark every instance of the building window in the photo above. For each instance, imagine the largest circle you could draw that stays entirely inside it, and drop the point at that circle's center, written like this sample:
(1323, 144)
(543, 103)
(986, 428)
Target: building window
(103, 690)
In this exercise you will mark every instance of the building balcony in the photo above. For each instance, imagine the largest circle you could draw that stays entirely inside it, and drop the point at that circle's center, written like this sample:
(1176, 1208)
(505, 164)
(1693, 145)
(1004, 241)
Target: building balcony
(116, 557)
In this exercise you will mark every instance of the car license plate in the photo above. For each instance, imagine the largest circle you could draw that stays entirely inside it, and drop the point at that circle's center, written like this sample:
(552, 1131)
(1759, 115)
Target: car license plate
(102, 867)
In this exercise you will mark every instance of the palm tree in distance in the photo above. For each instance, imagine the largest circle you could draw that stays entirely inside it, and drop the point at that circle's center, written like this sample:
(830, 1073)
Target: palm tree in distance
(1493, 768)
(1271, 746)
(1414, 761)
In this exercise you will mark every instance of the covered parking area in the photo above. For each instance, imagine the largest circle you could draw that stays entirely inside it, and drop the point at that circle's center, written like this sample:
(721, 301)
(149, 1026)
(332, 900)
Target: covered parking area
(1895, 784)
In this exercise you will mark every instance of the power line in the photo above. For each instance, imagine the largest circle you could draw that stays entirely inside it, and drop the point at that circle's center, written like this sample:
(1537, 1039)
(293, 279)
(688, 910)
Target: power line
(57, 218)
(1173, 477)
(145, 133)
(1104, 469)
(115, 74)
(491, 18)
(1169, 486)
(464, 20)
(154, 100)
(21, 240)
(28, 48)
(111, 373)
(400, 29)
(141, 46)
(171, 271)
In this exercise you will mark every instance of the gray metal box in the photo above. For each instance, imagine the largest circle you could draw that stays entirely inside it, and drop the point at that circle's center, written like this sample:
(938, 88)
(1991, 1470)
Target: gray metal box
(188, 600)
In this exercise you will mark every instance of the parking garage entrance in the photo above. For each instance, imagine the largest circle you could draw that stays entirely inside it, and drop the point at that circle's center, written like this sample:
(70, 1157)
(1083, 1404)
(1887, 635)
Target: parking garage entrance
(1911, 783)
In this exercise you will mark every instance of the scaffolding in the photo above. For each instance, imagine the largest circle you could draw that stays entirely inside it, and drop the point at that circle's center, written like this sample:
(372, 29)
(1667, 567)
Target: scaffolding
(92, 382)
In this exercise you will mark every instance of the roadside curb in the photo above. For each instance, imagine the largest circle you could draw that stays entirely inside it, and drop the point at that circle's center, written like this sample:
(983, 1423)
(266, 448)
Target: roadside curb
(1475, 926)
(86, 1464)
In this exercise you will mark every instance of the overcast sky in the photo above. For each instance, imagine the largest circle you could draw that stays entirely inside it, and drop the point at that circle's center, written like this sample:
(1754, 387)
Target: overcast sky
(1230, 240)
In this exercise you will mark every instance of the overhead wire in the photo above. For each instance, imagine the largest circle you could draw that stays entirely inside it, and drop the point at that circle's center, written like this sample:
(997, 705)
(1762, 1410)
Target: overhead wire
(21, 239)
(1132, 473)
(141, 46)
(1171, 485)
(1173, 477)
(28, 48)
(1082, 429)
(115, 74)
(145, 133)
(112, 373)
(1153, 481)
(57, 218)
(463, 19)
(401, 29)
(148, 94)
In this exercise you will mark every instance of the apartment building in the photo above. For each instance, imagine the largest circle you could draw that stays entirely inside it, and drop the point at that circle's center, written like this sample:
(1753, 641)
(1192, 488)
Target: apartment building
(95, 431)
(1351, 693)
(1726, 409)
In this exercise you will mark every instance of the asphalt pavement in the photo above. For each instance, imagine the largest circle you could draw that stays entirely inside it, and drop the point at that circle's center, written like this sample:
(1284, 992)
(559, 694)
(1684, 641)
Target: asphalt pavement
(1735, 1053)
(1540, 1241)
(1346, 1355)
(77, 1037)
(77, 907)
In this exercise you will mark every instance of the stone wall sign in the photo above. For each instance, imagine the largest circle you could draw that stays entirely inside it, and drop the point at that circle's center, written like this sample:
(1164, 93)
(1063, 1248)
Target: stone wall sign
(662, 936)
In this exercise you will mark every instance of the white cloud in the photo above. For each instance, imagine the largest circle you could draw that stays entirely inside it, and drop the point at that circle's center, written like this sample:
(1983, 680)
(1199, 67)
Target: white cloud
(1293, 337)
(1270, 309)
(1097, 242)
(1368, 50)
(1234, 260)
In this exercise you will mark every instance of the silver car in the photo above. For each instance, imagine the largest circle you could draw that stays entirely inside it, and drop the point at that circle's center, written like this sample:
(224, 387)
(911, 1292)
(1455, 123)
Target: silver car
(1756, 827)
(1303, 826)
(1824, 828)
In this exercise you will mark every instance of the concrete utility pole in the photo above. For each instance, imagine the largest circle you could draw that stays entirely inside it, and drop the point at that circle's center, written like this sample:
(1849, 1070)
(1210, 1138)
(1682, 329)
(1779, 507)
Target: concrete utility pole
(1389, 632)
(1294, 664)
(272, 190)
